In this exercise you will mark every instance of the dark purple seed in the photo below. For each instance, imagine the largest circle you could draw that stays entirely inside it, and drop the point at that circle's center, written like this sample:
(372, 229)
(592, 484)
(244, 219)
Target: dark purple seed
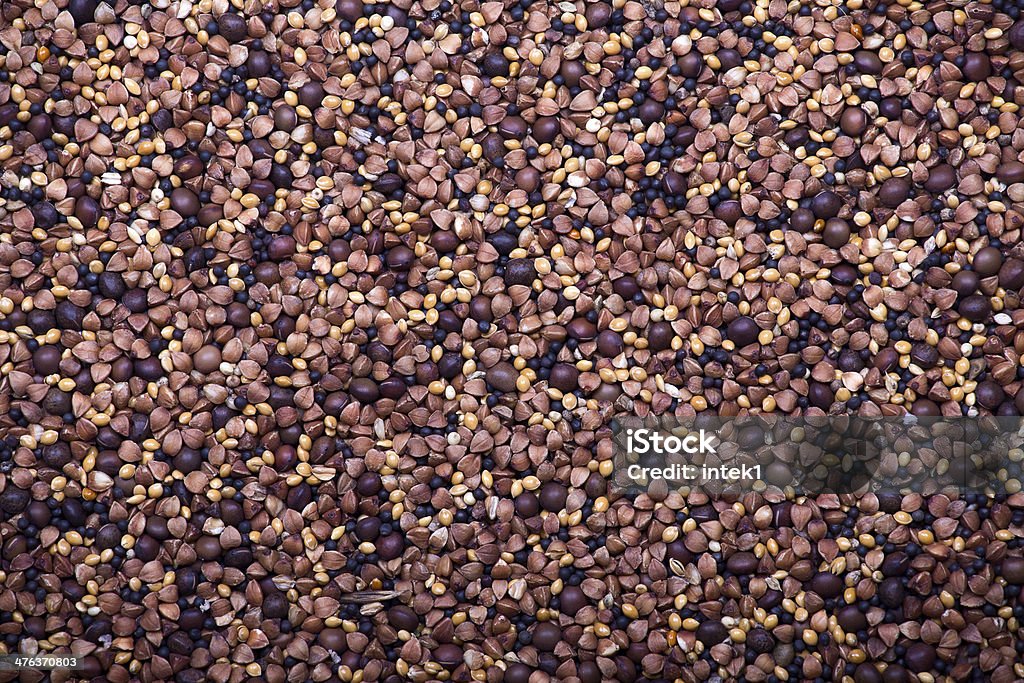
(279, 366)
(149, 368)
(513, 128)
(517, 673)
(147, 548)
(988, 261)
(157, 528)
(14, 500)
(729, 58)
(368, 528)
(400, 258)
(520, 271)
(924, 355)
(977, 66)
(546, 636)
(966, 282)
(495, 64)
(69, 316)
(275, 605)
(210, 214)
(564, 377)
(403, 618)
(610, 344)
(1016, 35)
(851, 619)
(83, 11)
(546, 129)
(311, 94)
(827, 585)
(188, 167)
(388, 183)
(502, 376)
(46, 360)
(258, 63)
(185, 202)
(285, 118)
(660, 336)
(40, 126)
(854, 121)
(9, 113)
(691, 64)
(281, 248)
(920, 657)
(1012, 569)
(836, 233)
(391, 546)
(87, 210)
(1010, 172)
(598, 15)
(581, 329)
(802, 220)
(281, 176)
(553, 496)
(651, 111)
(742, 563)
(572, 72)
(975, 308)
(729, 212)
(480, 310)
(109, 536)
(760, 640)
(527, 505)
(685, 136)
(712, 632)
(677, 550)
(674, 184)
(448, 654)
(333, 639)
(364, 390)
(826, 204)
(368, 484)
(820, 395)
(349, 10)
(940, 178)
(895, 564)
(866, 673)
(232, 27)
(1011, 274)
(894, 192)
(299, 497)
(743, 331)
(989, 394)
(45, 214)
(867, 62)
(924, 407)
(891, 592)
(208, 548)
(527, 179)
(572, 599)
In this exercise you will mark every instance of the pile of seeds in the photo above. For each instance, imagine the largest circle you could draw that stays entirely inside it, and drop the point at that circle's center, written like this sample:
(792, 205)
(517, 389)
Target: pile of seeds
(314, 315)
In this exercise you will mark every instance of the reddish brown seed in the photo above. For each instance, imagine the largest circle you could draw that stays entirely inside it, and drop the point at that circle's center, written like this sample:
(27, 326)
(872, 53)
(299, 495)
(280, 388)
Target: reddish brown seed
(988, 261)
(207, 359)
(853, 121)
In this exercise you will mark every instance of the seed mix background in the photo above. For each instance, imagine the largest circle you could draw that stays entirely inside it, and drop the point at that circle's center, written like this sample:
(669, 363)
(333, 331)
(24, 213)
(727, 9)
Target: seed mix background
(314, 316)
